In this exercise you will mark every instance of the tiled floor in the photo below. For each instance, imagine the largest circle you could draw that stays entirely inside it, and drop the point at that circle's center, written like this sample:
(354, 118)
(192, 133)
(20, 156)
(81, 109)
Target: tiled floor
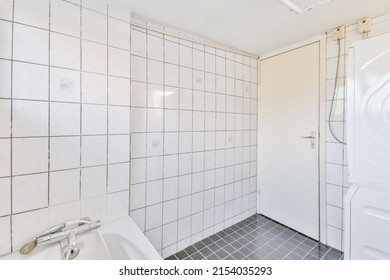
(258, 238)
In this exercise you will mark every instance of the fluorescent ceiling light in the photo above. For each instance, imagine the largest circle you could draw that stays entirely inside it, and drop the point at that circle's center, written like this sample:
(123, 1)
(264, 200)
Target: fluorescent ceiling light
(299, 10)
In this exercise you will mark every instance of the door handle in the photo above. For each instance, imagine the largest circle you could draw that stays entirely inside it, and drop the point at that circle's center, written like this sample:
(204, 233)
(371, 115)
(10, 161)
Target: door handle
(312, 137)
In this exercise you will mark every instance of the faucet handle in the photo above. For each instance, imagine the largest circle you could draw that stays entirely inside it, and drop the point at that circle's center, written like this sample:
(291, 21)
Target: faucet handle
(52, 230)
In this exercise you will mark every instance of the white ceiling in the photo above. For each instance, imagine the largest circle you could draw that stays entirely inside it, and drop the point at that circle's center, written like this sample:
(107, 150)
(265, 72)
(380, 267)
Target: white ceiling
(254, 26)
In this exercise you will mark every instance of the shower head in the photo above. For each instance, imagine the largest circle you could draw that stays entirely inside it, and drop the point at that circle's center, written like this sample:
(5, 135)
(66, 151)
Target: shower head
(28, 247)
(31, 245)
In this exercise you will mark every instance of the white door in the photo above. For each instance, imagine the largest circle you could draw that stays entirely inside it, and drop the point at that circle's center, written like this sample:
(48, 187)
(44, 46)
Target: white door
(288, 139)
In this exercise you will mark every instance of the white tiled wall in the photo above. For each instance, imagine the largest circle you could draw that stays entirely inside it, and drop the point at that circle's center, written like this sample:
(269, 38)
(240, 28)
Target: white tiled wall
(78, 85)
(193, 135)
(64, 87)
(336, 161)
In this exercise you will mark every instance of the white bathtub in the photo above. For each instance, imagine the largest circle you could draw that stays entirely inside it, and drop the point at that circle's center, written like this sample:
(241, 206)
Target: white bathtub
(124, 240)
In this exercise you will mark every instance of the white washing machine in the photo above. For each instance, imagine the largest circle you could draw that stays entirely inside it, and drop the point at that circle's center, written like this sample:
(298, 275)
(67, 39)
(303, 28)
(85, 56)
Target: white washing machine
(367, 203)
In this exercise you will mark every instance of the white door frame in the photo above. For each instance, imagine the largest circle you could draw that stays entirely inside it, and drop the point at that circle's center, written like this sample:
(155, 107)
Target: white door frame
(321, 122)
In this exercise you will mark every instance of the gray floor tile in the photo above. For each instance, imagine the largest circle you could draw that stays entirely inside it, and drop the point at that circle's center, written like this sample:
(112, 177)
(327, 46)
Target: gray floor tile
(258, 238)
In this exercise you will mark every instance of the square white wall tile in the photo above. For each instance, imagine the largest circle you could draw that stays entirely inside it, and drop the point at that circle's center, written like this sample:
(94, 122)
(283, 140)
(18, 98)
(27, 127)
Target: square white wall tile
(5, 118)
(64, 119)
(118, 120)
(171, 74)
(95, 208)
(171, 166)
(198, 100)
(93, 181)
(35, 13)
(5, 77)
(30, 44)
(138, 145)
(185, 99)
(155, 72)
(64, 213)
(153, 216)
(24, 188)
(197, 223)
(118, 177)
(185, 55)
(94, 88)
(94, 26)
(198, 141)
(118, 148)
(155, 144)
(5, 157)
(155, 96)
(229, 68)
(138, 68)
(64, 51)
(138, 171)
(30, 118)
(118, 62)
(184, 207)
(29, 155)
(154, 168)
(171, 52)
(185, 121)
(334, 237)
(170, 211)
(155, 47)
(65, 18)
(155, 236)
(6, 46)
(197, 202)
(118, 34)
(198, 60)
(185, 185)
(64, 85)
(118, 91)
(117, 205)
(5, 196)
(335, 216)
(169, 234)
(138, 43)
(185, 78)
(137, 196)
(26, 226)
(64, 186)
(5, 234)
(334, 174)
(210, 61)
(94, 119)
(171, 120)
(171, 98)
(334, 195)
(171, 143)
(220, 66)
(185, 163)
(155, 120)
(184, 228)
(94, 150)
(170, 188)
(154, 192)
(94, 57)
(6, 9)
(138, 94)
(198, 80)
(30, 81)
(64, 153)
